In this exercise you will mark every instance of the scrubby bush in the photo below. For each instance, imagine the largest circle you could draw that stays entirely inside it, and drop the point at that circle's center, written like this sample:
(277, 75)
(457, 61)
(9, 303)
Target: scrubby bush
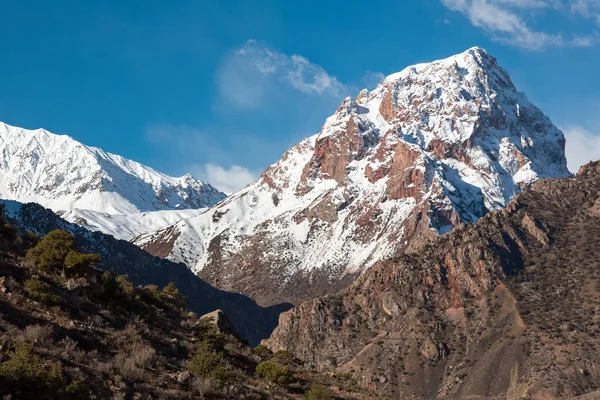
(28, 377)
(263, 352)
(171, 295)
(273, 372)
(318, 392)
(56, 253)
(126, 288)
(109, 285)
(7, 231)
(286, 358)
(207, 362)
(151, 295)
(41, 291)
(24, 367)
(75, 260)
(40, 335)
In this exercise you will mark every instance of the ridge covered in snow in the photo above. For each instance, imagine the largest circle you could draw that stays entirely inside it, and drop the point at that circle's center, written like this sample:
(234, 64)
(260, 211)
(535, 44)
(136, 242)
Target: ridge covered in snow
(433, 146)
(87, 183)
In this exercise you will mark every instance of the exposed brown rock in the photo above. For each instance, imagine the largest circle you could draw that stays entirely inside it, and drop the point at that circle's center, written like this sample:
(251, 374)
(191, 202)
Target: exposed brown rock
(333, 153)
(386, 108)
(162, 247)
(405, 176)
(220, 321)
(362, 95)
(505, 308)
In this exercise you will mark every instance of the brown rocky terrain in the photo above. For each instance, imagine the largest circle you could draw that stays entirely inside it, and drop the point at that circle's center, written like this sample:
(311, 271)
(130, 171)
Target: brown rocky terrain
(505, 308)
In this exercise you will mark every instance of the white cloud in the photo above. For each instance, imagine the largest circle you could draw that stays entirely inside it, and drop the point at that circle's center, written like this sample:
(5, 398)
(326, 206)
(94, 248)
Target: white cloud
(227, 179)
(587, 8)
(246, 75)
(582, 147)
(504, 21)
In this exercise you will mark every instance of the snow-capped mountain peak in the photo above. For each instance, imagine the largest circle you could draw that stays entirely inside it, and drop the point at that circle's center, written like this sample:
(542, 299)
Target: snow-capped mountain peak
(433, 146)
(63, 174)
(93, 187)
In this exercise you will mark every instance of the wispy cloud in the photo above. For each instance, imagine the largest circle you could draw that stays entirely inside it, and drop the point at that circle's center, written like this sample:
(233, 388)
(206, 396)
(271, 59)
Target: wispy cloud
(227, 179)
(222, 160)
(587, 8)
(504, 21)
(582, 147)
(248, 73)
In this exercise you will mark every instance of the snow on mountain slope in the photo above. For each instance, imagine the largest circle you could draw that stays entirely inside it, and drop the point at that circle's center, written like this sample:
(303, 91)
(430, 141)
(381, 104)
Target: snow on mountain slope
(63, 174)
(112, 193)
(433, 146)
(128, 226)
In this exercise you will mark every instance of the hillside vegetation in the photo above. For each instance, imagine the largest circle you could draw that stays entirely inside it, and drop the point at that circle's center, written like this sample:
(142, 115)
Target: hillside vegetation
(71, 331)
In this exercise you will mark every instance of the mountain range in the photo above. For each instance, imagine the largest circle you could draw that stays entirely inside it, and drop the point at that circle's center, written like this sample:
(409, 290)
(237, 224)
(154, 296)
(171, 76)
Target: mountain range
(427, 243)
(432, 147)
(87, 185)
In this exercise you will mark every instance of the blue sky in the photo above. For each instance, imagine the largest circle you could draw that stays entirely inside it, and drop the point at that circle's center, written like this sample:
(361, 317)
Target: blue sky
(190, 86)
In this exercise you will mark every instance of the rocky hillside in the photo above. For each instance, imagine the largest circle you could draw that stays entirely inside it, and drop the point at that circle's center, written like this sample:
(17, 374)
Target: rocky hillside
(252, 321)
(68, 177)
(69, 331)
(506, 308)
(432, 147)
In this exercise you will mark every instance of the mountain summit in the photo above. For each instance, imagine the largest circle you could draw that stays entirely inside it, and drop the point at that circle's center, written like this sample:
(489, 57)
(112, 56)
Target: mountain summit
(92, 186)
(434, 146)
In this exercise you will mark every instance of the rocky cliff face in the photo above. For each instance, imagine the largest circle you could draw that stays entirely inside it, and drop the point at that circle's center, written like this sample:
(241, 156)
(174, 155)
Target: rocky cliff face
(432, 147)
(504, 308)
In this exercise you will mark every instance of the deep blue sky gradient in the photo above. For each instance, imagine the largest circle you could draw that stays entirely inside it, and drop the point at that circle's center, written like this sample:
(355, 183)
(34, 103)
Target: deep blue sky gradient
(141, 78)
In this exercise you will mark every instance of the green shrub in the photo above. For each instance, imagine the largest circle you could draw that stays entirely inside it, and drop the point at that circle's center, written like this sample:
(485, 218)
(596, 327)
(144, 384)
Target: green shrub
(170, 294)
(8, 231)
(118, 289)
(286, 358)
(151, 295)
(273, 372)
(75, 260)
(125, 286)
(30, 239)
(318, 392)
(109, 285)
(50, 253)
(56, 253)
(263, 352)
(76, 390)
(27, 377)
(207, 362)
(41, 291)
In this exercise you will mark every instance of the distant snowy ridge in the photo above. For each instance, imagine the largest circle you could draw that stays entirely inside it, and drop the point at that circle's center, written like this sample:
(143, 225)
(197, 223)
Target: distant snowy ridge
(78, 181)
(433, 146)
(128, 226)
